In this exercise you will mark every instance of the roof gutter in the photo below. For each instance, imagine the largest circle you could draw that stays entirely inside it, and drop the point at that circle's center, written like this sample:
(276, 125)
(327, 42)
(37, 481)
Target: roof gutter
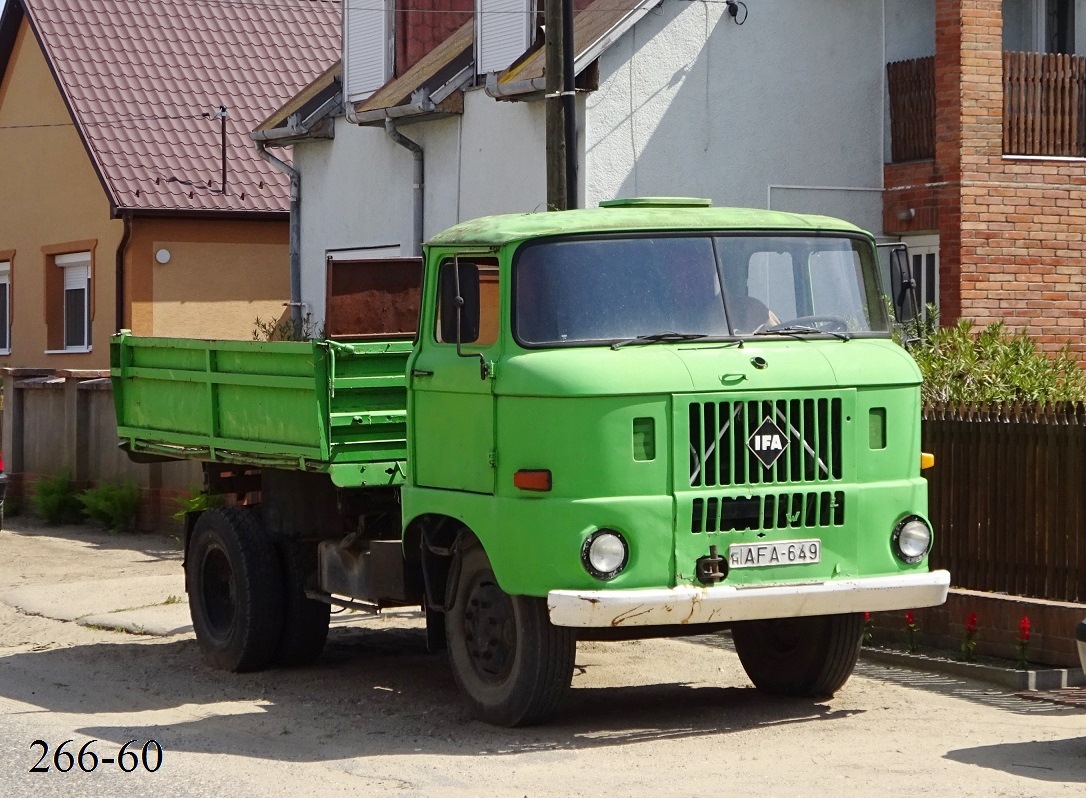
(295, 232)
(296, 127)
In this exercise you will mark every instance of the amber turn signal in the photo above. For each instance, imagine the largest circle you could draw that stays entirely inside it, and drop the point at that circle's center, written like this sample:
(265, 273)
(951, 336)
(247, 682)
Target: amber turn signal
(927, 460)
(529, 479)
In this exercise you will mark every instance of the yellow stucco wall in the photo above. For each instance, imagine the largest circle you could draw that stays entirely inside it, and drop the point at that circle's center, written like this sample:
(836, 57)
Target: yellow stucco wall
(51, 196)
(221, 275)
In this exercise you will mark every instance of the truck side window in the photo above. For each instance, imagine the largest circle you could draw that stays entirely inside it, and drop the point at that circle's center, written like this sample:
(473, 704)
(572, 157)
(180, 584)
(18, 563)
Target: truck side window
(486, 321)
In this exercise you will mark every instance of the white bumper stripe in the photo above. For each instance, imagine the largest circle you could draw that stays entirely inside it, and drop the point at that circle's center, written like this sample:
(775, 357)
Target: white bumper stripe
(689, 605)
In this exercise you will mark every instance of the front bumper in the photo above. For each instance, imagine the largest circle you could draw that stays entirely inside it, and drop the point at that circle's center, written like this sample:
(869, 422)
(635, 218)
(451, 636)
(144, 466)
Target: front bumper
(691, 605)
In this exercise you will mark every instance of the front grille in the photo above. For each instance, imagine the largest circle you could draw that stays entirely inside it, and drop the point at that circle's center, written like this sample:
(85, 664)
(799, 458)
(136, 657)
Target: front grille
(719, 431)
(773, 511)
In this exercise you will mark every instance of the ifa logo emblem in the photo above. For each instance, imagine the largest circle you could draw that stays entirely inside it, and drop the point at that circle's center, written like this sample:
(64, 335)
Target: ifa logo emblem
(768, 443)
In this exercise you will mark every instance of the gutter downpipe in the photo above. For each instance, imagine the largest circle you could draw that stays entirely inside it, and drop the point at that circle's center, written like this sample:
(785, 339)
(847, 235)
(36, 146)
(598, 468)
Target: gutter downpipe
(295, 231)
(419, 181)
(122, 251)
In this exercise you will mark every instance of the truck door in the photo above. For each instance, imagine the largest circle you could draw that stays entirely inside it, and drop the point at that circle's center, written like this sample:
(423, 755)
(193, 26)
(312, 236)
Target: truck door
(453, 399)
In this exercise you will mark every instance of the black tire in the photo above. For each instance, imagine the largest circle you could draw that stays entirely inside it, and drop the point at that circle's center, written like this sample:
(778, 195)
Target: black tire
(803, 657)
(235, 590)
(305, 621)
(513, 666)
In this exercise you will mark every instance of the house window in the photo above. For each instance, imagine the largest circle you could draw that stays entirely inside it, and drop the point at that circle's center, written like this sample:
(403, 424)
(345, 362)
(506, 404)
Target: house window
(367, 48)
(924, 257)
(503, 31)
(1044, 26)
(5, 307)
(74, 301)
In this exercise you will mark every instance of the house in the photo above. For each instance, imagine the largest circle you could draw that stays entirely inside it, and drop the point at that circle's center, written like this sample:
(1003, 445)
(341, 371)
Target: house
(133, 197)
(442, 119)
(987, 171)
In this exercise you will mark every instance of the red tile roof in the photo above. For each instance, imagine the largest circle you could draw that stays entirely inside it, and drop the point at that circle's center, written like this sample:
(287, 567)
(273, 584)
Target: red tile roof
(140, 74)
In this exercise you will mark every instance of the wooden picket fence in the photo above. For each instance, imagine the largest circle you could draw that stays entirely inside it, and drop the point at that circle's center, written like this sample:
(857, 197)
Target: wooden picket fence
(1044, 104)
(911, 86)
(1006, 497)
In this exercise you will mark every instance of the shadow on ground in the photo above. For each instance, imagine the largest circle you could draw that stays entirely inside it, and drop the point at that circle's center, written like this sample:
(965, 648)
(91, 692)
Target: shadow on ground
(374, 692)
(1041, 760)
(952, 686)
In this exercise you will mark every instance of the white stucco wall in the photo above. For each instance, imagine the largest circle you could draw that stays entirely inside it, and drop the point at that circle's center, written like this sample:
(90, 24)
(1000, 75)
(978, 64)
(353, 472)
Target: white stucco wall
(692, 104)
(357, 188)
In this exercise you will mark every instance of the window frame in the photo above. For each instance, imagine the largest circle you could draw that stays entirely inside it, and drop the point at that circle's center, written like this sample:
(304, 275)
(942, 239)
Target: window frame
(66, 257)
(5, 321)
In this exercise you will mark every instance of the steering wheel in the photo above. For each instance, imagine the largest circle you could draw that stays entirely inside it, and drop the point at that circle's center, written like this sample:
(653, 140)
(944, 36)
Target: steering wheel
(824, 322)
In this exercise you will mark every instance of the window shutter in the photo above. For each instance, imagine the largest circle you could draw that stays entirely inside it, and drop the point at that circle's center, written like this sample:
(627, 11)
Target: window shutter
(503, 32)
(366, 48)
(76, 277)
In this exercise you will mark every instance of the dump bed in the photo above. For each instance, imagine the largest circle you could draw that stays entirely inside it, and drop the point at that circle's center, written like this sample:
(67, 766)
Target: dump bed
(338, 408)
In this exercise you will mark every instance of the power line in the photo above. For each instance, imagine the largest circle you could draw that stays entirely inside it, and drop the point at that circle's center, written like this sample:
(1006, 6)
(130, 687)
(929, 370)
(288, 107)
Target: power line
(115, 122)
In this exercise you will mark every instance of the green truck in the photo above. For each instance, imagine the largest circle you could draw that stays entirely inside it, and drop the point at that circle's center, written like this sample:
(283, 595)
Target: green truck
(650, 418)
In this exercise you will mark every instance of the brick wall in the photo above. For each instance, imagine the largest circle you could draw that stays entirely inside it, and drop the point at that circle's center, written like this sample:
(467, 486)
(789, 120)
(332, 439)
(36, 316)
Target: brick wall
(1011, 229)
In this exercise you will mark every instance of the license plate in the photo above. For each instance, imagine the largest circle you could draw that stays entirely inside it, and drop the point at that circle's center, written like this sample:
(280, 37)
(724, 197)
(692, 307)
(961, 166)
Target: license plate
(782, 552)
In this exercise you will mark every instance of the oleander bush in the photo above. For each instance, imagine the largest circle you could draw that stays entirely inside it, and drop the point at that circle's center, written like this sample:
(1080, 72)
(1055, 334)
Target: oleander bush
(993, 365)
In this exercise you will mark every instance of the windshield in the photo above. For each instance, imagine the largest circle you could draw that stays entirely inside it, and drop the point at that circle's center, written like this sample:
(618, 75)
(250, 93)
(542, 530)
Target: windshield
(653, 287)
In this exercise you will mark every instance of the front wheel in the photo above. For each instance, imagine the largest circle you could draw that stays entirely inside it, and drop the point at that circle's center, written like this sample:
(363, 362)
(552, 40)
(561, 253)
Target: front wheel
(511, 663)
(808, 657)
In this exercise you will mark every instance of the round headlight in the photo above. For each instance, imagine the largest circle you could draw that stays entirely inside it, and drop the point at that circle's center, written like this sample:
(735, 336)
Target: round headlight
(604, 554)
(912, 539)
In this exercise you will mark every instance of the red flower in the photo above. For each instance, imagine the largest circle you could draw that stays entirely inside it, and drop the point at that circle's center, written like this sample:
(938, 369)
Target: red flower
(1023, 629)
(910, 619)
(971, 622)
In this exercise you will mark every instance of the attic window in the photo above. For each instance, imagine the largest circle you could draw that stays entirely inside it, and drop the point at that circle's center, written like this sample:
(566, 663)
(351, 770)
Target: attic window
(367, 48)
(503, 32)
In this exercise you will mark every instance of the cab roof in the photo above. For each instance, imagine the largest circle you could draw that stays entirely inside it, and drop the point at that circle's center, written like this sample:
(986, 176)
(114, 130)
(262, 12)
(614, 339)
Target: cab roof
(643, 214)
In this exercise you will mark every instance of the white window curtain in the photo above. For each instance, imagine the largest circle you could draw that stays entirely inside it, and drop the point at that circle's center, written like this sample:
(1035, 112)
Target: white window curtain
(503, 32)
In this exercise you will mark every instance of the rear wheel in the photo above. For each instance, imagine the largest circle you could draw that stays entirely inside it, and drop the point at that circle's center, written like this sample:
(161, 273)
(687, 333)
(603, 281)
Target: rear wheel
(807, 657)
(235, 590)
(305, 621)
(511, 663)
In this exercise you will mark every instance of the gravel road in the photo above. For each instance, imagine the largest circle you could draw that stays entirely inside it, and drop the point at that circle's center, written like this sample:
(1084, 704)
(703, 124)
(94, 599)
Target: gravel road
(380, 716)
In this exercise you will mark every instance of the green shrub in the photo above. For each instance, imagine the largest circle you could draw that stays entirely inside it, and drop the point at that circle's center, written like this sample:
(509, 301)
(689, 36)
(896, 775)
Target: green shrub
(994, 365)
(113, 506)
(55, 501)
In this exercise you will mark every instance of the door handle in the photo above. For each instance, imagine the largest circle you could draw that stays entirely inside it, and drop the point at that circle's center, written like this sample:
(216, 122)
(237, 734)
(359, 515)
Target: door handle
(421, 373)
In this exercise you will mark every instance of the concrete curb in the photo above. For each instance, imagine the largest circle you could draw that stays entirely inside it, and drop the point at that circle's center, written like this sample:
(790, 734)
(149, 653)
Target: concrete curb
(1011, 678)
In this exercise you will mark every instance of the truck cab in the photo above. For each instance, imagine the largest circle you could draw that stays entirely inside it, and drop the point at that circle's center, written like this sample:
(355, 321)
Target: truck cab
(661, 413)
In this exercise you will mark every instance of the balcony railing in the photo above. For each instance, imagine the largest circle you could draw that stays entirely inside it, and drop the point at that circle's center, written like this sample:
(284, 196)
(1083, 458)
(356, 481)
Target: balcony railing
(1044, 106)
(1044, 102)
(912, 109)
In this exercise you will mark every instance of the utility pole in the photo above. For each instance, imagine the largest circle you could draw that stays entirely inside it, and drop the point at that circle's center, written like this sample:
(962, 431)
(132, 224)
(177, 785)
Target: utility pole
(561, 105)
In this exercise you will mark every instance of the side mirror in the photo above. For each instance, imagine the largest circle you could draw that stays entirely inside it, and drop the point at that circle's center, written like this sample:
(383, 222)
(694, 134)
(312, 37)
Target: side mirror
(903, 286)
(459, 288)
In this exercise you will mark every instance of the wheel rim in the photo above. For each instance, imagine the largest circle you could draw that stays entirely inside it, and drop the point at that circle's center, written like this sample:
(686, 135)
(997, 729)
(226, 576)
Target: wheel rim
(219, 592)
(489, 631)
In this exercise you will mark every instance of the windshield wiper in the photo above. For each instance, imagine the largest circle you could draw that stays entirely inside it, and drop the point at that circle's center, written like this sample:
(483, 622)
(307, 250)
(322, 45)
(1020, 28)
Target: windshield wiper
(667, 335)
(801, 329)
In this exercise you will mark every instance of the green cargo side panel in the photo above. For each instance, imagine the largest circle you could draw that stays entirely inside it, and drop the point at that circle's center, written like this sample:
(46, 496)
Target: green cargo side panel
(312, 405)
